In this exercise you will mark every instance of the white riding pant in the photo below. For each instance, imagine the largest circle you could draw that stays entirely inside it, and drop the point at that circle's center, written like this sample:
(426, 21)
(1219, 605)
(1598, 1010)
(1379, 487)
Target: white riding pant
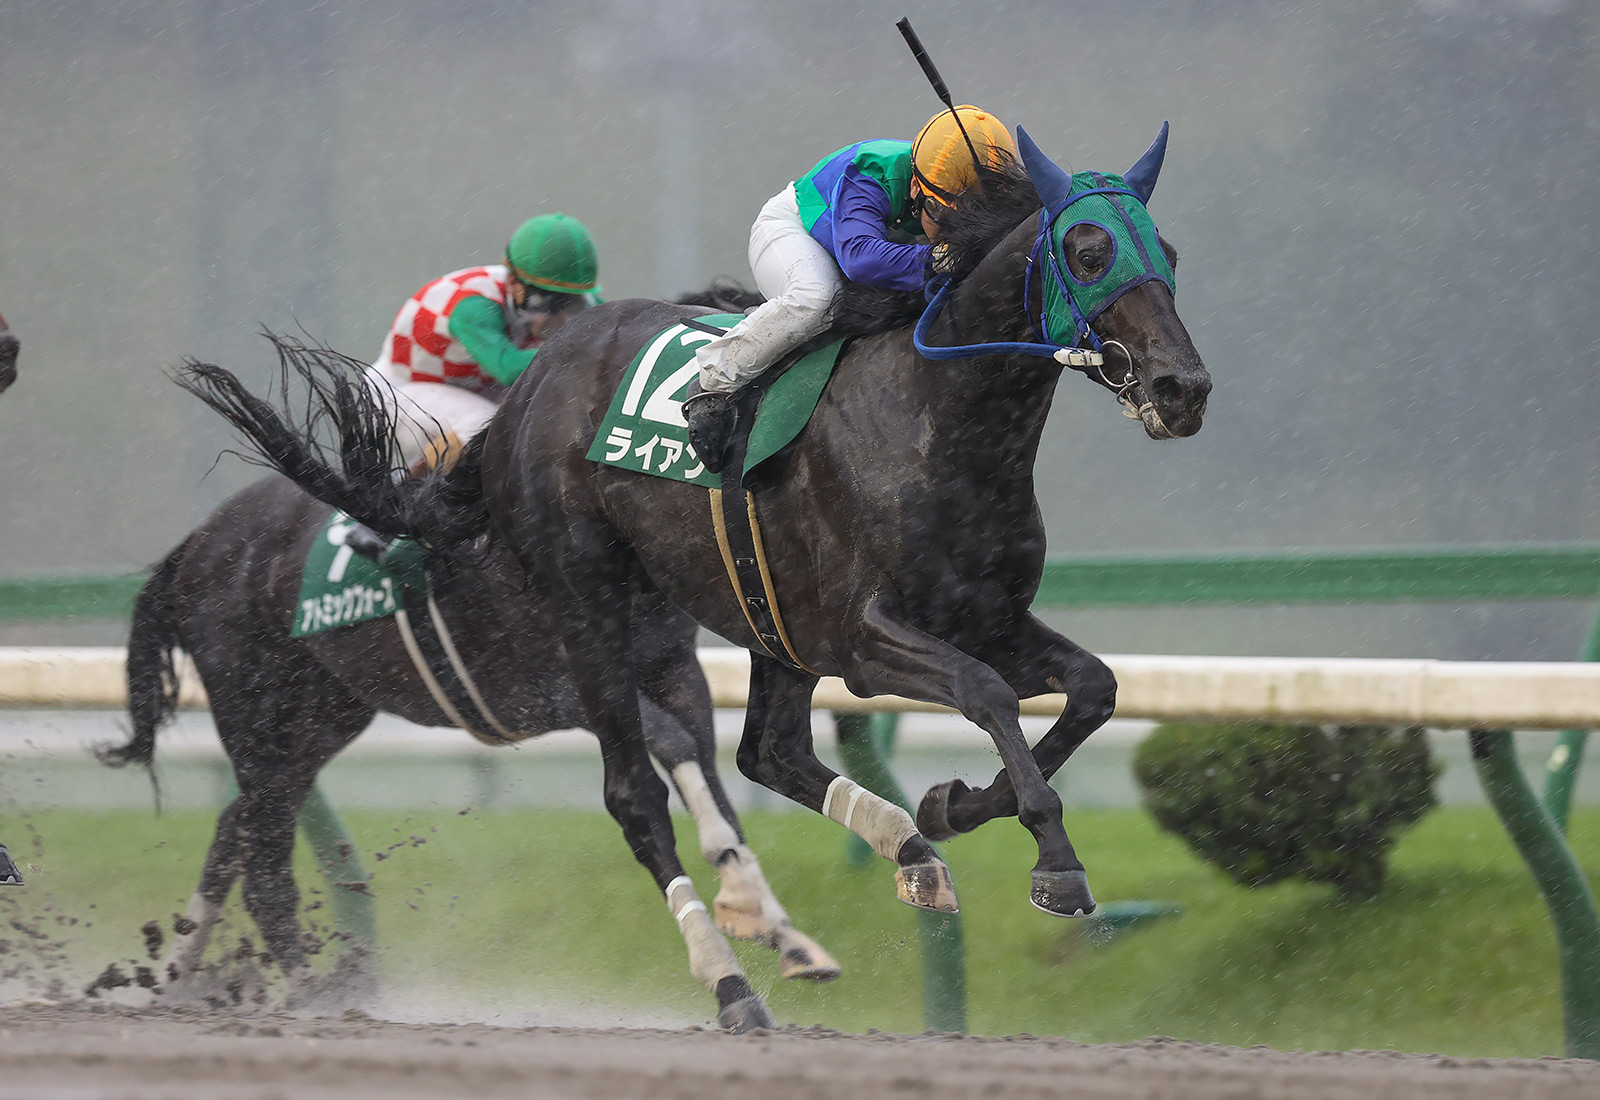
(799, 279)
(425, 411)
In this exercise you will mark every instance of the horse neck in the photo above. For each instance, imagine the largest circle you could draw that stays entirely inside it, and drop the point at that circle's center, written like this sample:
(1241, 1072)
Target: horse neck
(999, 403)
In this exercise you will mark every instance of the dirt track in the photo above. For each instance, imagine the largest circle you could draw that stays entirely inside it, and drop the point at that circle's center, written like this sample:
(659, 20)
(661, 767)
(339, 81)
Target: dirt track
(84, 1052)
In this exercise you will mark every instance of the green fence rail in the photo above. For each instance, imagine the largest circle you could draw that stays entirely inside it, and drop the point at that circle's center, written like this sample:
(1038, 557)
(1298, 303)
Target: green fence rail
(109, 596)
(1530, 572)
(1452, 574)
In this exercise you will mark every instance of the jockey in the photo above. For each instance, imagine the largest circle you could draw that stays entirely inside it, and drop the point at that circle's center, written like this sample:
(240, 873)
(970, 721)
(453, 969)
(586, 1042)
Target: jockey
(461, 340)
(861, 214)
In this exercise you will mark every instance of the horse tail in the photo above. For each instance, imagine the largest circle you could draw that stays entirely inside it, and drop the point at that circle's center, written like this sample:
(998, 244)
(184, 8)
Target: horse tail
(353, 471)
(152, 669)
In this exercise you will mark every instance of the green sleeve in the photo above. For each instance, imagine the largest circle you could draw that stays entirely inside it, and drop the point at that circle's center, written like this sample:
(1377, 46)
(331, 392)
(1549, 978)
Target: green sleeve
(481, 327)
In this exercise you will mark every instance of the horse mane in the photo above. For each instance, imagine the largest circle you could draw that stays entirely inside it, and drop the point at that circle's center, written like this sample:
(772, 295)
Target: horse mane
(983, 216)
(723, 294)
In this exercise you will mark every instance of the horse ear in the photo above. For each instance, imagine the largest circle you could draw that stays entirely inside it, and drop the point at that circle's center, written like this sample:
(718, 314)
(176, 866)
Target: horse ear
(1141, 178)
(1052, 182)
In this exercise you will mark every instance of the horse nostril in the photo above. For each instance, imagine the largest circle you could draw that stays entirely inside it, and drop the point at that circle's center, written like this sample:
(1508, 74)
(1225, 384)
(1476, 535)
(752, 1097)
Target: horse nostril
(1173, 391)
(1167, 390)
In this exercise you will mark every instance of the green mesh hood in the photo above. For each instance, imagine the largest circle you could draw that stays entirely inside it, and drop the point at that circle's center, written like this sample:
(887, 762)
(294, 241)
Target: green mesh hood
(1138, 258)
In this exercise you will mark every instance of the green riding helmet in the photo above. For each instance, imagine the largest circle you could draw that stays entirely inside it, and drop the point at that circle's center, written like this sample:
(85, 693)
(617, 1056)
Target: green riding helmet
(554, 252)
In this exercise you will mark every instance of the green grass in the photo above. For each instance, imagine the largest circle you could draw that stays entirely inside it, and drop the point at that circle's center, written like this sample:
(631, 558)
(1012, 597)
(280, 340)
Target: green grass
(520, 910)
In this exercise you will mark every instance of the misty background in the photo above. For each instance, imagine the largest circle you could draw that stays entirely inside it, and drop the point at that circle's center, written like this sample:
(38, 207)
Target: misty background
(1386, 211)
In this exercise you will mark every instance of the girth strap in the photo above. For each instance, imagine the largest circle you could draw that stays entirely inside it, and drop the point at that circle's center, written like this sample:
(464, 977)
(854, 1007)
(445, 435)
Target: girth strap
(733, 517)
(443, 673)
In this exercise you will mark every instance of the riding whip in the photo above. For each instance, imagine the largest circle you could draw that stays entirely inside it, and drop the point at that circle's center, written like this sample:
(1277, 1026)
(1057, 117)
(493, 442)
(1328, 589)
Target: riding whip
(937, 81)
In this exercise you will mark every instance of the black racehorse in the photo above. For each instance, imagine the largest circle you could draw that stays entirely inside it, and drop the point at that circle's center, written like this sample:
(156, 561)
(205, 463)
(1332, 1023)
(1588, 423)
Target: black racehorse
(902, 532)
(284, 706)
(9, 875)
(8, 356)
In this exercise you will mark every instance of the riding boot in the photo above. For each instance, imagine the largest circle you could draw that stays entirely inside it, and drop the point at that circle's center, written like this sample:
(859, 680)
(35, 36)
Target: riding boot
(366, 542)
(9, 875)
(710, 416)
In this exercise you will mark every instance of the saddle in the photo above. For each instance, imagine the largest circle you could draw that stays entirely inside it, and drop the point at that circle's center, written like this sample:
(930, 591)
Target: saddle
(643, 431)
(351, 576)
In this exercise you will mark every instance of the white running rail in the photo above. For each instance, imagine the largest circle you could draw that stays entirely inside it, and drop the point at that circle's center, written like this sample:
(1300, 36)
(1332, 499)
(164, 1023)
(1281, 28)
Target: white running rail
(1440, 694)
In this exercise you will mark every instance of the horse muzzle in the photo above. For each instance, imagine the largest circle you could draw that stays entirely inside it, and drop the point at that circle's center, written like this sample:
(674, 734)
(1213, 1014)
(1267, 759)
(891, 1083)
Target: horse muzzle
(1170, 406)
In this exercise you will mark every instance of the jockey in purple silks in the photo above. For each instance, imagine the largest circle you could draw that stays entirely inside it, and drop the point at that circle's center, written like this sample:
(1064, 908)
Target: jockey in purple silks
(866, 214)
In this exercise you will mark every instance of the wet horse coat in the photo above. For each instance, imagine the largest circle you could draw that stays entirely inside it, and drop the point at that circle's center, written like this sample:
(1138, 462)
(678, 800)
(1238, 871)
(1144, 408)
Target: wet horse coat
(902, 532)
(903, 537)
(285, 706)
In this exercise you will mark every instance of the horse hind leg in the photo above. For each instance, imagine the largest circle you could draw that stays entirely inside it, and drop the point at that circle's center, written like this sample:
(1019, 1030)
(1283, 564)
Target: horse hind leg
(776, 751)
(675, 709)
(637, 799)
(745, 907)
(182, 964)
(595, 626)
(279, 728)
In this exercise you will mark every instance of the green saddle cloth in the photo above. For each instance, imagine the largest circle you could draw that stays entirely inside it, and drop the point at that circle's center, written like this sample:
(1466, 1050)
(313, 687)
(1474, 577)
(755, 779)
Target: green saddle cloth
(643, 430)
(339, 587)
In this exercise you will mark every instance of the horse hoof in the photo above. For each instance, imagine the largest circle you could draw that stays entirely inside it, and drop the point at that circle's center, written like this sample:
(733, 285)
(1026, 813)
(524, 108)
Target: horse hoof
(1062, 893)
(927, 886)
(933, 812)
(746, 1015)
(743, 924)
(814, 965)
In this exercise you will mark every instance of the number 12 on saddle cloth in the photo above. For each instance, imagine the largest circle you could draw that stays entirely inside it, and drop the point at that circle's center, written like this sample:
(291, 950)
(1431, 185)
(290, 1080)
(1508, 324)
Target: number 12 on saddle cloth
(643, 430)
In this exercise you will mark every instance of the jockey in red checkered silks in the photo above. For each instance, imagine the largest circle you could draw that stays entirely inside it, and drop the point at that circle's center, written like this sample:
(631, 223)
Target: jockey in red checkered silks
(461, 340)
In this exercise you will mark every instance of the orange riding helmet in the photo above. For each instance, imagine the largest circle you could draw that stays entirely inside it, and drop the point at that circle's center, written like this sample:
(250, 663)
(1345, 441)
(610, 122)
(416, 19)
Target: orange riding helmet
(943, 164)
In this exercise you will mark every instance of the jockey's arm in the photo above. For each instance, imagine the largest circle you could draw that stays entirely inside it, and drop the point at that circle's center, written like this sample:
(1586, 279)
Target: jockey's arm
(861, 221)
(480, 325)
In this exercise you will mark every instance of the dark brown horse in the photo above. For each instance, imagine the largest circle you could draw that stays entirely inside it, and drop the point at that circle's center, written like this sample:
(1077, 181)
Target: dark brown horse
(285, 706)
(902, 530)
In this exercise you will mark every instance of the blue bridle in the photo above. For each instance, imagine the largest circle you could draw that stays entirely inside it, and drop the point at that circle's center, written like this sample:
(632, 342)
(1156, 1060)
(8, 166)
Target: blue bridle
(1044, 347)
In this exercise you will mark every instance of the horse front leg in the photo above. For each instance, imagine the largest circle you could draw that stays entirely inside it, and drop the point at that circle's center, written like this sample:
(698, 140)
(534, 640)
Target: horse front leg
(894, 657)
(776, 751)
(1034, 660)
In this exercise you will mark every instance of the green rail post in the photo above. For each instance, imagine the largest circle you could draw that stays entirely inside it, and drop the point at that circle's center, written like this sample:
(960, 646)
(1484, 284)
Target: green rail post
(1561, 773)
(862, 738)
(1561, 883)
(353, 909)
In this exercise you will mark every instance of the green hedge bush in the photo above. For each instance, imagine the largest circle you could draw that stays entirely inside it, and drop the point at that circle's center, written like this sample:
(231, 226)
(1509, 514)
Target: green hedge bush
(1266, 802)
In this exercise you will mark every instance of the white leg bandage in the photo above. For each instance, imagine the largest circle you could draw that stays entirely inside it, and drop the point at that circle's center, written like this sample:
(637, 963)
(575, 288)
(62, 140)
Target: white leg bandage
(710, 957)
(189, 947)
(881, 824)
(716, 835)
